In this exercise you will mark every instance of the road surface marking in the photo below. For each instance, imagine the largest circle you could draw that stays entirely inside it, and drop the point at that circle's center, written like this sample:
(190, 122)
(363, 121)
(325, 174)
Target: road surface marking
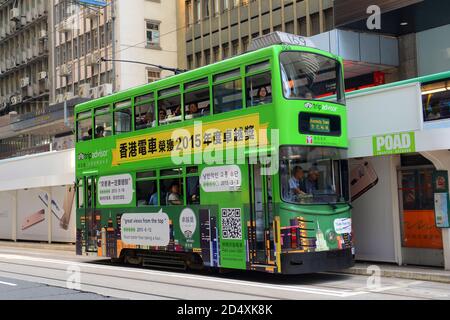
(8, 284)
(302, 289)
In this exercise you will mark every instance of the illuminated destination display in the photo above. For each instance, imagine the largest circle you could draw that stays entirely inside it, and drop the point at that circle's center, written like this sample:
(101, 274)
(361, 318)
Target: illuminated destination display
(319, 124)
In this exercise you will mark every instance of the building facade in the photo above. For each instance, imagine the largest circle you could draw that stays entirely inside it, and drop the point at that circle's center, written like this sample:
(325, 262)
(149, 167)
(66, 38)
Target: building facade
(213, 30)
(55, 54)
(399, 213)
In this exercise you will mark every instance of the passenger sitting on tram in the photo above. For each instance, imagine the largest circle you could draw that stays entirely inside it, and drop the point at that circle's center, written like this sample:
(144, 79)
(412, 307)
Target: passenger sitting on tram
(99, 132)
(263, 96)
(89, 136)
(174, 197)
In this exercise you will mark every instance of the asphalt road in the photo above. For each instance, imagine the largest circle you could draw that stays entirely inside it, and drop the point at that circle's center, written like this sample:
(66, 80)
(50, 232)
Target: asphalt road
(40, 274)
(14, 289)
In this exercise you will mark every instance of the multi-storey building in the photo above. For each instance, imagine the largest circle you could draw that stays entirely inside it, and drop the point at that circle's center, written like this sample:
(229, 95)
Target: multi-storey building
(24, 65)
(52, 57)
(217, 29)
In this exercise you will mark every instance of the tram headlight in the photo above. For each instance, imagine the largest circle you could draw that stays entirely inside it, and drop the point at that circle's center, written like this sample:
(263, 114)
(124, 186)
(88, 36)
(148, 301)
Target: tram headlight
(330, 236)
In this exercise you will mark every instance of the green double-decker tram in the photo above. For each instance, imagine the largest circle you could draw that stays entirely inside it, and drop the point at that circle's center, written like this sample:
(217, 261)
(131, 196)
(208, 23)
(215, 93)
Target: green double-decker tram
(239, 164)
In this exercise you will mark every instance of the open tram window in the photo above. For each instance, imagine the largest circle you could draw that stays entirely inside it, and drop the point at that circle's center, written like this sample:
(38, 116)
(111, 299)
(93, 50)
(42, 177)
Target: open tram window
(146, 193)
(169, 110)
(196, 103)
(310, 76)
(259, 89)
(103, 123)
(144, 112)
(122, 117)
(84, 128)
(171, 191)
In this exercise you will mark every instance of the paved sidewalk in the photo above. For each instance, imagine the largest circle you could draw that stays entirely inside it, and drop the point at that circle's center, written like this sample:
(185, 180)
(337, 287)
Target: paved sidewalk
(38, 245)
(403, 272)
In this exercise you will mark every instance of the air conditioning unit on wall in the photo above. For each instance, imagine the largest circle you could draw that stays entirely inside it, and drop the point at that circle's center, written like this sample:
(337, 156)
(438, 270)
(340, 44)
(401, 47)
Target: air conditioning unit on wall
(105, 90)
(84, 90)
(16, 99)
(14, 14)
(65, 70)
(24, 82)
(59, 98)
(42, 75)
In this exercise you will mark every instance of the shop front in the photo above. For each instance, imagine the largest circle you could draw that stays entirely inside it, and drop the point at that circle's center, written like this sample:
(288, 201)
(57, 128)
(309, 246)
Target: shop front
(397, 164)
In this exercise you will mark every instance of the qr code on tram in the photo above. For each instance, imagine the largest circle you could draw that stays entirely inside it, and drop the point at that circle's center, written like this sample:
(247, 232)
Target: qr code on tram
(231, 223)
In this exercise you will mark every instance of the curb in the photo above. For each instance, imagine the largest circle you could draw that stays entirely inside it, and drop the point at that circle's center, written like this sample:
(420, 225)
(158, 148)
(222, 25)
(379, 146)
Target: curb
(37, 245)
(443, 277)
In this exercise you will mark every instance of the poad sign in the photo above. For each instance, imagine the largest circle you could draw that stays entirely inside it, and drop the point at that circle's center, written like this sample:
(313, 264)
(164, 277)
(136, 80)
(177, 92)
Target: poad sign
(394, 143)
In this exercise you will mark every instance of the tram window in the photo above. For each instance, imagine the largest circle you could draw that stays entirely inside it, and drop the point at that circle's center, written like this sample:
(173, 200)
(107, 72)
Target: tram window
(171, 191)
(144, 98)
(196, 83)
(169, 91)
(228, 96)
(227, 75)
(122, 121)
(193, 190)
(196, 104)
(259, 89)
(84, 114)
(121, 104)
(171, 172)
(102, 125)
(146, 193)
(146, 174)
(144, 116)
(80, 191)
(101, 110)
(191, 170)
(258, 67)
(436, 101)
(84, 129)
(169, 110)
(310, 76)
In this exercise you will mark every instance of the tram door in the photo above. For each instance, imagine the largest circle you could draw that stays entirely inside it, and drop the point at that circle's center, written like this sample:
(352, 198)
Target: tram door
(261, 215)
(92, 219)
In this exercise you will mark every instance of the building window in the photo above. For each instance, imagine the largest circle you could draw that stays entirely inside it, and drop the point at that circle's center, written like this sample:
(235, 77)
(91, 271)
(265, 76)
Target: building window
(198, 10)
(206, 9)
(153, 75)
(190, 62)
(152, 34)
(216, 7)
(189, 19)
(207, 56)
(226, 5)
(216, 54)
(235, 47)
(225, 51)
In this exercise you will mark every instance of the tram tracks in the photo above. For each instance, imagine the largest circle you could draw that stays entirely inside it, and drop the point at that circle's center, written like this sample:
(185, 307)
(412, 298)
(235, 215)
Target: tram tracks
(139, 283)
(35, 270)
